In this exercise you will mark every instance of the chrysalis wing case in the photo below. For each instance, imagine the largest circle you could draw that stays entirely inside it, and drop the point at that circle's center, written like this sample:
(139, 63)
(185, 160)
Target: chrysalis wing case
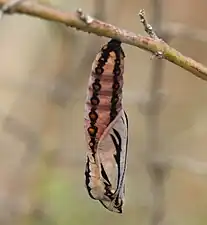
(106, 129)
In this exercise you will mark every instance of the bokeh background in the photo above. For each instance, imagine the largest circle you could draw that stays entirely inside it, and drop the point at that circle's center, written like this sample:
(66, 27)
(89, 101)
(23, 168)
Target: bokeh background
(44, 68)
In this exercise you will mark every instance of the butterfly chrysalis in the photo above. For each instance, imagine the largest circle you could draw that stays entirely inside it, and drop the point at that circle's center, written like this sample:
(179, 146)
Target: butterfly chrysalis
(106, 129)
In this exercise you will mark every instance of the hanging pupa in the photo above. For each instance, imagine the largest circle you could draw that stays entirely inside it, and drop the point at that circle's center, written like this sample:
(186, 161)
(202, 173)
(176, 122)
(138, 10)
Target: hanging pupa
(106, 129)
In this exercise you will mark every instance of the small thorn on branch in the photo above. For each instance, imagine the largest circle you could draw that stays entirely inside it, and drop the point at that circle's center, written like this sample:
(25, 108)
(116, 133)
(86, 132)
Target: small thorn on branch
(158, 55)
(149, 30)
(85, 18)
(9, 7)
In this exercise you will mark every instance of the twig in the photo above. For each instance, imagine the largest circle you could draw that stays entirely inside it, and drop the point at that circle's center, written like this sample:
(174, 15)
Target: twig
(104, 29)
(151, 32)
(147, 26)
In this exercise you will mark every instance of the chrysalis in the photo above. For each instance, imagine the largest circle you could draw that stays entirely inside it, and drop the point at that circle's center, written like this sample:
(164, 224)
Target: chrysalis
(106, 129)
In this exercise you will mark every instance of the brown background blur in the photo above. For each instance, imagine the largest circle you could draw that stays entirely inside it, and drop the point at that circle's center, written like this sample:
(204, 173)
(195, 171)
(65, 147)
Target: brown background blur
(44, 68)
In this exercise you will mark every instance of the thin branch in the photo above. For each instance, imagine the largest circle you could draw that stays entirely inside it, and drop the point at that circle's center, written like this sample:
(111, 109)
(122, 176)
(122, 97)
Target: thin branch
(157, 170)
(150, 32)
(147, 26)
(180, 162)
(180, 30)
(188, 164)
(100, 9)
(85, 61)
(104, 29)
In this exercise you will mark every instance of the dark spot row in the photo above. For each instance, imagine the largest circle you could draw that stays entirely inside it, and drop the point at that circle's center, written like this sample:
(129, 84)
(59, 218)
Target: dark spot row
(93, 129)
(115, 87)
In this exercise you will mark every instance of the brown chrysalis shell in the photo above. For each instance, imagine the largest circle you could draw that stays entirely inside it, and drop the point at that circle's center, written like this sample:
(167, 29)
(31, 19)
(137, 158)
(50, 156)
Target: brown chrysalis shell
(106, 129)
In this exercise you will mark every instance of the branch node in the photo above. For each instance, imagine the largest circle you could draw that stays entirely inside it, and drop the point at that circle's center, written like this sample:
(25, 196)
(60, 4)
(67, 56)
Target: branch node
(158, 55)
(85, 18)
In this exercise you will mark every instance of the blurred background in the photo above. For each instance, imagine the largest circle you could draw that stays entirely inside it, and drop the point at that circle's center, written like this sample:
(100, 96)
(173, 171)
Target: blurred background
(44, 68)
